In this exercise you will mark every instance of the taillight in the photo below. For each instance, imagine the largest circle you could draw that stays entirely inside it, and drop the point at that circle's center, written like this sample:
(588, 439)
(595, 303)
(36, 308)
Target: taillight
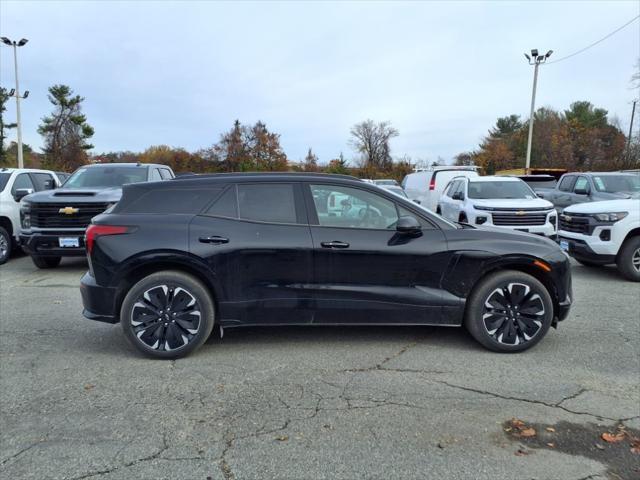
(432, 183)
(95, 231)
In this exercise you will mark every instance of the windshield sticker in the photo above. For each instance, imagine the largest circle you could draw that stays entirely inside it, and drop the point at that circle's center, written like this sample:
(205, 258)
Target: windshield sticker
(599, 183)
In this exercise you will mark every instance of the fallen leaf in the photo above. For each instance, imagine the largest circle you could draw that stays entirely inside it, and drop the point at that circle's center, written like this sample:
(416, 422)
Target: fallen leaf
(635, 445)
(550, 429)
(57, 302)
(611, 438)
(599, 447)
(551, 444)
(528, 432)
(88, 386)
(282, 438)
(516, 423)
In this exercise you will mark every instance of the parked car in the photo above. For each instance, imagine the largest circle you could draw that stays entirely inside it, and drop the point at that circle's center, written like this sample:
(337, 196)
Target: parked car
(425, 186)
(592, 187)
(54, 222)
(398, 190)
(602, 233)
(538, 181)
(15, 184)
(386, 181)
(62, 176)
(172, 260)
(505, 202)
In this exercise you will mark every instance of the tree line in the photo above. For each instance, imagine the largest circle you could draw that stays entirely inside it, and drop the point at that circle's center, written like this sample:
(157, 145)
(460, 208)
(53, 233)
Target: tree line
(579, 138)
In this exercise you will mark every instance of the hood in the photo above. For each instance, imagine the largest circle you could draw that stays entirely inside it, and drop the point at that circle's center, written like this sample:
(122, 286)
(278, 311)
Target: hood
(514, 203)
(80, 195)
(605, 206)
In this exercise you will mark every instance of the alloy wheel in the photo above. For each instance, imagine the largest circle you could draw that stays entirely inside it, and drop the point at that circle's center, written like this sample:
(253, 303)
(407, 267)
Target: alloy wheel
(166, 317)
(4, 247)
(513, 314)
(635, 260)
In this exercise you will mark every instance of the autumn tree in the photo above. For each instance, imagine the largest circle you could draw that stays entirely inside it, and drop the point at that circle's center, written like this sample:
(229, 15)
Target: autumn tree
(371, 140)
(310, 162)
(4, 98)
(464, 159)
(338, 166)
(65, 131)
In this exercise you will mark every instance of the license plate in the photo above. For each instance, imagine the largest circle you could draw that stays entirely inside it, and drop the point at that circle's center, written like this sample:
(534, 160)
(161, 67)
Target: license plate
(65, 242)
(564, 245)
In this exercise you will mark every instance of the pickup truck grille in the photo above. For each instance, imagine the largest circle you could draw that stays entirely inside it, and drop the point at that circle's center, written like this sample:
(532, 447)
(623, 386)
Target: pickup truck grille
(519, 219)
(575, 223)
(48, 215)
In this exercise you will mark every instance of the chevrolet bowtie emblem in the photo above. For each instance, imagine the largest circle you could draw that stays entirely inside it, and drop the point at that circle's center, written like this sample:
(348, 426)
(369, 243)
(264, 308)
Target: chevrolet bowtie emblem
(69, 210)
(520, 212)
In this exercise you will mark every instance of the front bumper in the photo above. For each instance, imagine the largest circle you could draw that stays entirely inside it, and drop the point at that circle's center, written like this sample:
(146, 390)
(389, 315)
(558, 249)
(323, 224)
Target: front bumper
(48, 244)
(99, 302)
(582, 250)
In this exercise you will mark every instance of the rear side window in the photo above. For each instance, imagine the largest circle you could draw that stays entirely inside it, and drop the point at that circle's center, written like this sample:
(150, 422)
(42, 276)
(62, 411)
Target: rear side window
(22, 181)
(155, 175)
(167, 201)
(166, 174)
(4, 179)
(40, 180)
(273, 203)
(566, 184)
(226, 205)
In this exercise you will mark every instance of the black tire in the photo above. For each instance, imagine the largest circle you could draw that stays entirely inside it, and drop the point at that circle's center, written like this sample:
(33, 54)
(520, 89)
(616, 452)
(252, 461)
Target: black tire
(438, 211)
(6, 245)
(463, 218)
(46, 262)
(587, 263)
(628, 260)
(151, 327)
(509, 331)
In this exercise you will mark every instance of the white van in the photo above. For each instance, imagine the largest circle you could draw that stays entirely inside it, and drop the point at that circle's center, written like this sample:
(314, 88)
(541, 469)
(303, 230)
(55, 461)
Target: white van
(426, 185)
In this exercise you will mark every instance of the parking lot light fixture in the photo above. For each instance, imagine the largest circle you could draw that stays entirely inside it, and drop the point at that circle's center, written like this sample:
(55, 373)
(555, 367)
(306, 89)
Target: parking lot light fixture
(15, 46)
(535, 61)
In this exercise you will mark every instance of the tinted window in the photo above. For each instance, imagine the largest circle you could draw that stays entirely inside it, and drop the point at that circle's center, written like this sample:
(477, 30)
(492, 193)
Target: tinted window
(155, 175)
(98, 177)
(226, 205)
(267, 203)
(617, 183)
(338, 206)
(166, 201)
(581, 184)
(40, 180)
(4, 179)
(403, 212)
(516, 189)
(22, 181)
(566, 183)
(165, 173)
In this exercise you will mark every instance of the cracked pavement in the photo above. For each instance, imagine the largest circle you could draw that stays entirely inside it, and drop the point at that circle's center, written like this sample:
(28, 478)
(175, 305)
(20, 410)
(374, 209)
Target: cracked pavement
(77, 402)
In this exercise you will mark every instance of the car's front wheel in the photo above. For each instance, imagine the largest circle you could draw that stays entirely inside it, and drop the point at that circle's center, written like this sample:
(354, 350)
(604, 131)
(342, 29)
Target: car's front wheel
(46, 262)
(509, 311)
(628, 260)
(167, 314)
(6, 244)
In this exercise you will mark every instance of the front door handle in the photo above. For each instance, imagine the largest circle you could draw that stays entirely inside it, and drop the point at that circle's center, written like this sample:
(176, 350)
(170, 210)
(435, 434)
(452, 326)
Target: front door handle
(335, 244)
(214, 239)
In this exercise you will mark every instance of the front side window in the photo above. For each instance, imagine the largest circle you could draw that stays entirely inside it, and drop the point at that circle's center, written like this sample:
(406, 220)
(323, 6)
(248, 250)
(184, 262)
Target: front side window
(339, 206)
(268, 202)
(22, 181)
(104, 177)
(485, 190)
(41, 179)
(566, 183)
(581, 184)
(166, 174)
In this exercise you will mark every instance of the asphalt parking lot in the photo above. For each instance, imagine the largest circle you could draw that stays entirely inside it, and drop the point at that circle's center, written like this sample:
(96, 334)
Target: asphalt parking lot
(292, 403)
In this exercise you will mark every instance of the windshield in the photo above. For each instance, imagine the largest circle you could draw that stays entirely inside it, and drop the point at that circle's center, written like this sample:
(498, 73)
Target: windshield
(4, 178)
(102, 177)
(617, 183)
(498, 189)
(541, 183)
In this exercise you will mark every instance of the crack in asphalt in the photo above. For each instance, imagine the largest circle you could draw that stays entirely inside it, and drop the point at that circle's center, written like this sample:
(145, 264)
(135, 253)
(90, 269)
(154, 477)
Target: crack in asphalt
(24, 450)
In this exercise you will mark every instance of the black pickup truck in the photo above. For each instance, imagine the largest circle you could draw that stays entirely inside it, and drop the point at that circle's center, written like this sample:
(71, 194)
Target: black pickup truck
(591, 187)
(54, 221)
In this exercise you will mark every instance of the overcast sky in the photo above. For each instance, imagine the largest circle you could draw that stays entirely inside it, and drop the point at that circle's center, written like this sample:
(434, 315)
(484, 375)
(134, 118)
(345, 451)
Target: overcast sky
(179, 73)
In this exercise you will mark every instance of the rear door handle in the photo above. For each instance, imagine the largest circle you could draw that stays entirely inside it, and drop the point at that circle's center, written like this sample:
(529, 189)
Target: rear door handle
(214, 239)
(335, 244)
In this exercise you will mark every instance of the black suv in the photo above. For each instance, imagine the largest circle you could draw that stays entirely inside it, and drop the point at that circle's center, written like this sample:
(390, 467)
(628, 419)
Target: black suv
(173, 259)
(54, 221)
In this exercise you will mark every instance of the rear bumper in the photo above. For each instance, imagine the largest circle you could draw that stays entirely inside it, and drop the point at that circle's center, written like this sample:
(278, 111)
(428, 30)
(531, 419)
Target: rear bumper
(48, 244)
(98, 301)
(581, 250)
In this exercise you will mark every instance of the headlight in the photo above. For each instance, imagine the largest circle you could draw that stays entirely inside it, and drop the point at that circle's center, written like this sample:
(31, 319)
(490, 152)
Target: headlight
(25, 215)
(480, 207)
(610, 217)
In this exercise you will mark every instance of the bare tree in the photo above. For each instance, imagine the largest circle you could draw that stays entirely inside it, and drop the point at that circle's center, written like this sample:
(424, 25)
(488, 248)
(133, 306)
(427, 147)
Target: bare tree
(371, 139)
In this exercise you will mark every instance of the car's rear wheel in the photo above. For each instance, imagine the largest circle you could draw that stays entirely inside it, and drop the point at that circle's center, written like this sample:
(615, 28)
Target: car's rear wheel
(509, 311)
(628, 260)
(6, 245)
(46, 262)
(167, 314)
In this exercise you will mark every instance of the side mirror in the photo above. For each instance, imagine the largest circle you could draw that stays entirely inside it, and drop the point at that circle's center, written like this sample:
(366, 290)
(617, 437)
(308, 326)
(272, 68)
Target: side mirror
(458, 196)
(581, 191)
(49, 185)
(409, 225)
(21, 193)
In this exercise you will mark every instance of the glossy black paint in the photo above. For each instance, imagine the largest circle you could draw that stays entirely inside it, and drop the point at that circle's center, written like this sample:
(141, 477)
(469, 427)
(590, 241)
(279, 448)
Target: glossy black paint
(302, 273)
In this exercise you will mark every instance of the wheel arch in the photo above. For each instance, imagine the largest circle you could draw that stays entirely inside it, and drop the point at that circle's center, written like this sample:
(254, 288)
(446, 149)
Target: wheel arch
(5, 222)
(634, 232)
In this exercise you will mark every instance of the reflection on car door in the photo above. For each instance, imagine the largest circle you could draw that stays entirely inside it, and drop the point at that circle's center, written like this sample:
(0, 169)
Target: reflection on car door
(256, 237)
(564, 194)
(366, 272)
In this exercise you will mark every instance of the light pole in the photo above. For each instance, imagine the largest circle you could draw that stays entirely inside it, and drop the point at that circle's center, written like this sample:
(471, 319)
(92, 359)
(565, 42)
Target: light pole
(15, 46)
(536, 61)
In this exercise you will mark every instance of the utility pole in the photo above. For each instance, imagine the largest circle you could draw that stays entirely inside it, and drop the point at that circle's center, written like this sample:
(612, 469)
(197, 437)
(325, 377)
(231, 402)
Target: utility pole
(536, 61)
(633, 111)
(16, 93)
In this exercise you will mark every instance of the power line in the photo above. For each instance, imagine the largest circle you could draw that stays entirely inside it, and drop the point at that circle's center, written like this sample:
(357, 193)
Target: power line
(597, 42)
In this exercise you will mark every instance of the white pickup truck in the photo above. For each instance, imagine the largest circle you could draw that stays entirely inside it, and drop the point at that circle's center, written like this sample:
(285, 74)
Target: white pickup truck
(602, 233)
